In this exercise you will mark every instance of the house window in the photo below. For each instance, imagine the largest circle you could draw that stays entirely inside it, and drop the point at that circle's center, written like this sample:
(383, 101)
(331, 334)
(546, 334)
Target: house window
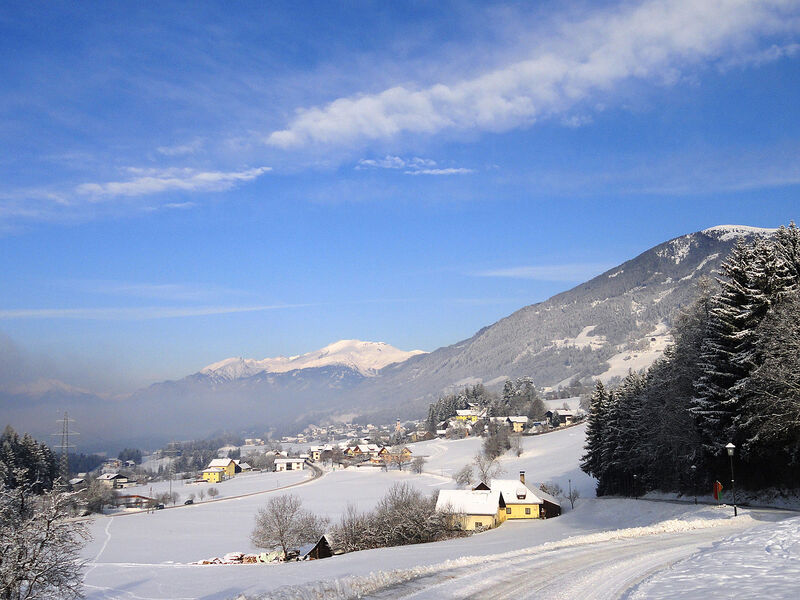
(508, 510)
(478, 524)
(527, 510)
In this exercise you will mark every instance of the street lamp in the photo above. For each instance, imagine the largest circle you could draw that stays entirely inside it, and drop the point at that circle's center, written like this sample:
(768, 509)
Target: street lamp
(635, 477)
(694, 481)
(730, 448)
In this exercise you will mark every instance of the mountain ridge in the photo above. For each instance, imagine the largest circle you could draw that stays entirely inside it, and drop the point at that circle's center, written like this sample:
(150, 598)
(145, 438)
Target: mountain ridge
(597, 329)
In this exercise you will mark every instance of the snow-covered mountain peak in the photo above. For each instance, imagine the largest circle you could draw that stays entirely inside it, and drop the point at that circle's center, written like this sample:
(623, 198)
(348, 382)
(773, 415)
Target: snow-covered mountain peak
(366, 358)
(725, 233)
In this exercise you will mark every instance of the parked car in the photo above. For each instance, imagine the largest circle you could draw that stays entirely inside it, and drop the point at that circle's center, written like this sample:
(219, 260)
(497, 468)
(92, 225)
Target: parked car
(159, 506)
(189, 501)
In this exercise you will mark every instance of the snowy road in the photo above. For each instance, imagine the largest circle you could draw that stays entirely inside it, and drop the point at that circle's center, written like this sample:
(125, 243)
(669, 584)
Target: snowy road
(600, 570)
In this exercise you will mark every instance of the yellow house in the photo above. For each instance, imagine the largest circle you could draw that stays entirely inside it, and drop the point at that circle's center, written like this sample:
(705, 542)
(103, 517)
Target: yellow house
(476, 509)
(227, 465)
(469, 415)
(518, 423)
(520, 501)
(213, 474)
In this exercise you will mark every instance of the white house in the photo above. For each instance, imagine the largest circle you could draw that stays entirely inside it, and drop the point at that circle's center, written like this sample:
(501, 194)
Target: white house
(289, 464)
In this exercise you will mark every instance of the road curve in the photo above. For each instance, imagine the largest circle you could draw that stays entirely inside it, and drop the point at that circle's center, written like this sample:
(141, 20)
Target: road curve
(603, 571)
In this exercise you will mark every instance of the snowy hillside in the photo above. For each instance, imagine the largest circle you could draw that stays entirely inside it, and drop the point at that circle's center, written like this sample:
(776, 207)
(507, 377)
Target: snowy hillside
(366, 358)
(617, 321)
(148, 555)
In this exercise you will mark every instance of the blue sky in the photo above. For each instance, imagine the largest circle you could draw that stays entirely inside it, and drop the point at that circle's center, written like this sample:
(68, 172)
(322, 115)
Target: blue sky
(183, 182)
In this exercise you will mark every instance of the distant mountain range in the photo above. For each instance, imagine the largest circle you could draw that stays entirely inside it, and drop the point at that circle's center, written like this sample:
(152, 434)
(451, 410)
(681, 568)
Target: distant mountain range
(365, 358)
(601, 328)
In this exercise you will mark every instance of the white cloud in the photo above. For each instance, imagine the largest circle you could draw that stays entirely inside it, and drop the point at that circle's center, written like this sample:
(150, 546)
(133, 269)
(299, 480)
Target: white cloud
(154, 181)
(395, 162)
(450, 171)
(651, 41)
(410, 166)
(566, 272)
(181, 149)
(161, 291)
(134, 313)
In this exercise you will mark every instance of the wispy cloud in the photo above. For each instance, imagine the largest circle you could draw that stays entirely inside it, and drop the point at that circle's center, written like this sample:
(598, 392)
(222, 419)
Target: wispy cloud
(565, 272)
(410, 166)
(650, 41)
(154, 181)
(181, 149)
(449, 171)
(135, 313)
(158, 291)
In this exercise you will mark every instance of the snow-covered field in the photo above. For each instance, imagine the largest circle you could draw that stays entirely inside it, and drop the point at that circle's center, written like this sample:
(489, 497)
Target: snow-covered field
(243, 483)
(146, 556)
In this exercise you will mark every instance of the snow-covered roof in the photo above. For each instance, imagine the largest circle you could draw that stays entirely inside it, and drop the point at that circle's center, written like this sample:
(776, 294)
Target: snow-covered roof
(515, 492)
(109, 476)
(213, 470)
(469, 413)
(469, 502)
(518, 419)
(220, 462)
(545, 496)
(289, 460)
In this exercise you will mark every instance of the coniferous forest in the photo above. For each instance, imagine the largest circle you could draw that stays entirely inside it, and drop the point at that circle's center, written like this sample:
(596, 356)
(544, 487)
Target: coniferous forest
(732, 375)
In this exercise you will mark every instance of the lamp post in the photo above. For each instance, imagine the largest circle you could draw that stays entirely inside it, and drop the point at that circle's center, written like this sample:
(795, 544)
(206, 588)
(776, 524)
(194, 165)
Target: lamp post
(635, 477)
(694, 481)
(730, 448)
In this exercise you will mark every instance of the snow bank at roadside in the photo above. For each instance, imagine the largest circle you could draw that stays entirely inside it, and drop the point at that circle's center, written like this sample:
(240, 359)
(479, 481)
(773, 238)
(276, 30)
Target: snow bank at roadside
(356, 587)
(757, 563)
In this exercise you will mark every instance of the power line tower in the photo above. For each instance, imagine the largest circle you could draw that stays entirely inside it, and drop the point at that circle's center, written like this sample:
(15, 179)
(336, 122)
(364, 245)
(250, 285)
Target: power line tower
(65, 447)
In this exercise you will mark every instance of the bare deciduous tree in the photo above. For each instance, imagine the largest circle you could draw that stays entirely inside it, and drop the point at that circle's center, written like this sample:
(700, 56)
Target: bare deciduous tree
(201, 494)
(572, 496)
(213, 492)
(465, 476)
(283, 524)
(352, 532)
(39, 546)
(97, 495)
(418, 464)
(488, 468)
(516, 444)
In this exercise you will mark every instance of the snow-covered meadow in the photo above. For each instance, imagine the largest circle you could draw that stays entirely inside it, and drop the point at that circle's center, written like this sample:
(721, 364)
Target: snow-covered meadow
(146, 556)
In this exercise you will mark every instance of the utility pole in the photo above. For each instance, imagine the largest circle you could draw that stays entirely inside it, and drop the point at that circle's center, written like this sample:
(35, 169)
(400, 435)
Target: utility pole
(65, 447)
(171, 451)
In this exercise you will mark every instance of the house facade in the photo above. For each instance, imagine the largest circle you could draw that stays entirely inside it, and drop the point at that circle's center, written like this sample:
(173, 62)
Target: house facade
(213, 474)
(228, 466)
(475, 509)
(289, 464)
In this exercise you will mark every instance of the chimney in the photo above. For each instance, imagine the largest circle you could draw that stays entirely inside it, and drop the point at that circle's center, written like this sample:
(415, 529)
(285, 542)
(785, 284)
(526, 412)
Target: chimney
(522, 477)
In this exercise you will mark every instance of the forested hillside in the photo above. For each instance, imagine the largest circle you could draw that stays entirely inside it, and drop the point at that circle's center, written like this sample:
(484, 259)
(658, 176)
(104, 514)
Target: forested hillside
(732, 376)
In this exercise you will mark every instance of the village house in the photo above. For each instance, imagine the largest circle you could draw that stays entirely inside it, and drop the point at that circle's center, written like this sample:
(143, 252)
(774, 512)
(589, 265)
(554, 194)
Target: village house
(113, 480)
(518, 423)
(213, 474)
(112, 465)
(133, 501)
(522, 502)
(471, 415)
(289, 464)
(228, 465)
(476, 509)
